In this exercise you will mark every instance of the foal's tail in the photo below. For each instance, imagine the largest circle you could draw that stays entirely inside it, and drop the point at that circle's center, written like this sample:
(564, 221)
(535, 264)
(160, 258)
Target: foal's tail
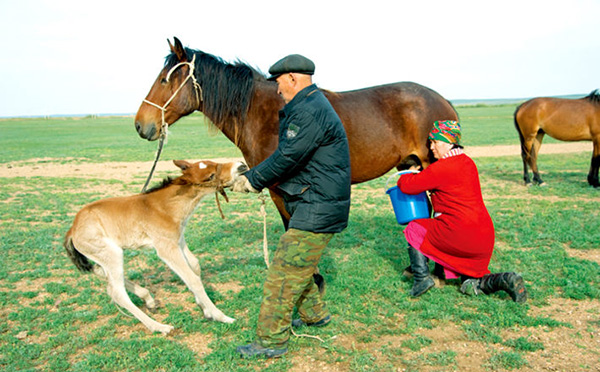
(80, 261)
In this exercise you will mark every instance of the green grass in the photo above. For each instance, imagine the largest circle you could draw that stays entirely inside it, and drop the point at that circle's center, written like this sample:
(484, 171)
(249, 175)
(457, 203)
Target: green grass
(102, 139)
(490, 125)
(54, 318)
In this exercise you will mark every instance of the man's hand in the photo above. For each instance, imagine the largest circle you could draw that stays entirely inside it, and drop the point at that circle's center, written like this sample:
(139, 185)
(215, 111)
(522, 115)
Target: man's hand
(241, 184)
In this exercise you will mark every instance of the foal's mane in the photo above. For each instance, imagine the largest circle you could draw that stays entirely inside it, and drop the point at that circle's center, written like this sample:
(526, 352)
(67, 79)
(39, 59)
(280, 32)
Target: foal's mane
(226, 88)
(165, 182)
(594, 96)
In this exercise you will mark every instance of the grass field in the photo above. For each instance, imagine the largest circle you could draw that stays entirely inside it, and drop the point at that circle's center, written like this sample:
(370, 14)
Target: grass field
(53, 318)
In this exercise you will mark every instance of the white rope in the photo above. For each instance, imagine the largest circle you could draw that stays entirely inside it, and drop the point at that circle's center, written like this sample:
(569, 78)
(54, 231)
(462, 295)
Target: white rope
(263, 212)
(164, 126)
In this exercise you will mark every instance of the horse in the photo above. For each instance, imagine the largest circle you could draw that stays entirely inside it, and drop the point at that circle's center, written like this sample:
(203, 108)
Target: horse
(157, 218)
(387, 125)
(562, 119)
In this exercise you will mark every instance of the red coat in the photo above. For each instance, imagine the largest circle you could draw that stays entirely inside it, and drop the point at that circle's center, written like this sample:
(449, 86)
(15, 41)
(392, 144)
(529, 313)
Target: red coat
(462, 237)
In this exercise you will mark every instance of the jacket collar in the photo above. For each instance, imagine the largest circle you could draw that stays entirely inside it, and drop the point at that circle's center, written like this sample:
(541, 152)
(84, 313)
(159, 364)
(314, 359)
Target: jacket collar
(453, 152)
(299, 97)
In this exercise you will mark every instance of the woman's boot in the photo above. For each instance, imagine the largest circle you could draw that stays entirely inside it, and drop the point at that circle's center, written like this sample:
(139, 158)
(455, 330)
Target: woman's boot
(422, 280)
(511, 283)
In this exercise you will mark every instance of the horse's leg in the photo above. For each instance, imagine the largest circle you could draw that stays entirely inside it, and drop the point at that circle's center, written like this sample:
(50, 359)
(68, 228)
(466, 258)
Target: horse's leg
(525, 156)
(172, 254)
(595, 166)
(278, 201)
(409, 161)
(111, 260)
(139, 291)
(535, 148)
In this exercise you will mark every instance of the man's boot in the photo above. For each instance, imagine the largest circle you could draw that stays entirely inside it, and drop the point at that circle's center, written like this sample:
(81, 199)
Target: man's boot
(422, 280)
(511, 283)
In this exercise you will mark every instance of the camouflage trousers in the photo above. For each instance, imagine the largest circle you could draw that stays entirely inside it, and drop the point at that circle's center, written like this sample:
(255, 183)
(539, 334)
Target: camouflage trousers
(290, 283)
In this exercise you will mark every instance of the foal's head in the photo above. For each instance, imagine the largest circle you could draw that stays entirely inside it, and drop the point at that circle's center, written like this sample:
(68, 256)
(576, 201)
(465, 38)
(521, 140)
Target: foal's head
(207, 173)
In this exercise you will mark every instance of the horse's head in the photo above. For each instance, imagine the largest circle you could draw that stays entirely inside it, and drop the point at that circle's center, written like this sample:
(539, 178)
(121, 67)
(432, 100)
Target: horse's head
(174, 94)
(207, 173)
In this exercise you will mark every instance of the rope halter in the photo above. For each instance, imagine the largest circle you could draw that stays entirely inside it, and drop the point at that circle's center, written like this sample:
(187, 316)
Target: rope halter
(164, 126)
(197, 89)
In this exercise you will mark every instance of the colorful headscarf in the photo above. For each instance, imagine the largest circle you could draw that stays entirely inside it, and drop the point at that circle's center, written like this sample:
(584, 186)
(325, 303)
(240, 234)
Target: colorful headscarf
(446, 131)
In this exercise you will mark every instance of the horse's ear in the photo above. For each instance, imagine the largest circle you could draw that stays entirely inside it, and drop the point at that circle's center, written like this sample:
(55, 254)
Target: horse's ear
(178, 50)
(182, 164)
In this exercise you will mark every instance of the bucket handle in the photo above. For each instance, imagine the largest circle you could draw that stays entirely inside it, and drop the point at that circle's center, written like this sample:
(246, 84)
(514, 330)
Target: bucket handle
(400, 173)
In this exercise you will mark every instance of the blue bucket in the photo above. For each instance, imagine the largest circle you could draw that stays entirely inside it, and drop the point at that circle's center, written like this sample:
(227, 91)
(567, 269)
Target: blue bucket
(408, 207)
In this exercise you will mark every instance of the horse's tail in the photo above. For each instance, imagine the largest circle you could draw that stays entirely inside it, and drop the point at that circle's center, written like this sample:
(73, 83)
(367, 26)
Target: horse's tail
(80, 261)
(524, 151)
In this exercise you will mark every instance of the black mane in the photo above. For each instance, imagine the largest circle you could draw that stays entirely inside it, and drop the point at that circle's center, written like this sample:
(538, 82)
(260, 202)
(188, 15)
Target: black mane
(226, 88)
(165, 182)
(594, 96)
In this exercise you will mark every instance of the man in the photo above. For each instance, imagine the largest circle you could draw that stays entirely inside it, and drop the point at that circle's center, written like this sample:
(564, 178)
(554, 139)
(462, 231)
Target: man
(311, 170)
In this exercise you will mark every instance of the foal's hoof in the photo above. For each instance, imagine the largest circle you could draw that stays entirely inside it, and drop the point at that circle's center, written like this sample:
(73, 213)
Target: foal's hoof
(165, 329)
(153, 307)
(219, 317)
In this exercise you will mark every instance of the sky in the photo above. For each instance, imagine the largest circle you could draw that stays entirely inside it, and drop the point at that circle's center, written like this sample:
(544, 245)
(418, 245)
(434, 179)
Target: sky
(64, 57)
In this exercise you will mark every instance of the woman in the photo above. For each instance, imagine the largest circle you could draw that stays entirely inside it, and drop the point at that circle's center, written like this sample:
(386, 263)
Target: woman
(460, 237)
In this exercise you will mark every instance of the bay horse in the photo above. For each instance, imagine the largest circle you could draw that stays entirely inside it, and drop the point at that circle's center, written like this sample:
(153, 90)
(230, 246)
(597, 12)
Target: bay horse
(387, 126)
(562, 119)
(155, 218)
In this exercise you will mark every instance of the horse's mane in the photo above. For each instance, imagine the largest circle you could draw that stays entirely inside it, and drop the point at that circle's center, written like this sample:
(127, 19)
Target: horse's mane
(165, 182)
(226, 88)
(594, 96)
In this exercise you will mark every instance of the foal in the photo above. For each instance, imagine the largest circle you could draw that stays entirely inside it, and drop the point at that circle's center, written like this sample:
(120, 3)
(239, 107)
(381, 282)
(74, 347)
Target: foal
(156, 218)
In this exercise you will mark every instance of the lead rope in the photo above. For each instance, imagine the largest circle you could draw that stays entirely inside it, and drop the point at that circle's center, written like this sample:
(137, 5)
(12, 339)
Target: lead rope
(164, 127)
(163, 137)
(263, 212)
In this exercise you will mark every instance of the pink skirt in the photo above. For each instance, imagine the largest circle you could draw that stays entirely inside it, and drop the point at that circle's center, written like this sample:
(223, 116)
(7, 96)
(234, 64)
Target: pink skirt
(415, 234)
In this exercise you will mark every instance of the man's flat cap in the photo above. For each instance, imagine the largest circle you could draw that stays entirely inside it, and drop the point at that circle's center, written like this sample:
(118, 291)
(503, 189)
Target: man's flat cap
(292, 63)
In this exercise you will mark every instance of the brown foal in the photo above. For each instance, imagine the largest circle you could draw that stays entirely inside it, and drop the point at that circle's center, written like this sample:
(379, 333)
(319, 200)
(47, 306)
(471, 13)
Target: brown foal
(156, 218)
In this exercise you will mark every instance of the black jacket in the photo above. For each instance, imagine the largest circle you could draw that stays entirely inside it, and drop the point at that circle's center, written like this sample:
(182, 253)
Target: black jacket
(311, 164)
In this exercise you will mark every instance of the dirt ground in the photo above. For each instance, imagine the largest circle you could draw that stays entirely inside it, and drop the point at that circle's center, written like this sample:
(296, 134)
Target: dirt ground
(48, 167)
(565, 349)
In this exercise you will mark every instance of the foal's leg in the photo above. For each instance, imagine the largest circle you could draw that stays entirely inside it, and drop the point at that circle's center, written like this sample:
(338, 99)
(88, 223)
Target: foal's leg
(535, 148)
(174, 257)
(595, 166)
(110, 258)
(139, 291)
(191, 259)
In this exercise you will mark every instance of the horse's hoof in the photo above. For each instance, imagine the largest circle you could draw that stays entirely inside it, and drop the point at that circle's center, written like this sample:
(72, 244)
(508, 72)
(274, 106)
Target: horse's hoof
(543, 184)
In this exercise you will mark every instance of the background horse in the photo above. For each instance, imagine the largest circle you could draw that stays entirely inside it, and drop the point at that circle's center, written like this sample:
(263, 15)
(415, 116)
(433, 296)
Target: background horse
(155, 218)
(387, 126)
(563, 119)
